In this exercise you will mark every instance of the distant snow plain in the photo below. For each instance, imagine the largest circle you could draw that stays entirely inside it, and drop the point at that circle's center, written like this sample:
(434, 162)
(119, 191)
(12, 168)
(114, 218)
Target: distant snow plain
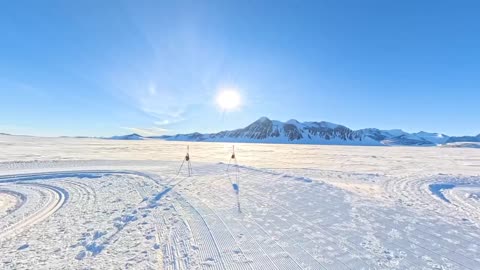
(70, 203)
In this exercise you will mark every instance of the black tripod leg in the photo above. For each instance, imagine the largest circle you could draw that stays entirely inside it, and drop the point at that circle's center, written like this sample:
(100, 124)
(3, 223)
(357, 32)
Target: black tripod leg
(238, 204)
(228, 166)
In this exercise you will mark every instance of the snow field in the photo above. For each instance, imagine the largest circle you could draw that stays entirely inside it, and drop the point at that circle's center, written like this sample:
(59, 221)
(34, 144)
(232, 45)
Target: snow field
(137, 214)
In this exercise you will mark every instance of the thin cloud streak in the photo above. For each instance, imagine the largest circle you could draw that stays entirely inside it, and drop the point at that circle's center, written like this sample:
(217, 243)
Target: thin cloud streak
(152, 131)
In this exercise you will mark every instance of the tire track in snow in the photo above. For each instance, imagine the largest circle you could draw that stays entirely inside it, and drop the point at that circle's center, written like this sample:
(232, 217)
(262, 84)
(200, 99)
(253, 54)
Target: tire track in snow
(278, 204)
(209, 233)
(207, 172)
(261, 228)
(412, 239)
(57, 198)
(289, 255)
(418, 195)
(229, 232)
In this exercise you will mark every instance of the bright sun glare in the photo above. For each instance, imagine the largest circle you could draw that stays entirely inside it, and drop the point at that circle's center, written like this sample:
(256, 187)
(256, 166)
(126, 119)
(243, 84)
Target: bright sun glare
(228, 99)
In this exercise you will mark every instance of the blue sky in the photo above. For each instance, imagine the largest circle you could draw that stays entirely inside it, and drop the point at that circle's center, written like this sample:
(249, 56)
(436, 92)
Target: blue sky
(100, 68)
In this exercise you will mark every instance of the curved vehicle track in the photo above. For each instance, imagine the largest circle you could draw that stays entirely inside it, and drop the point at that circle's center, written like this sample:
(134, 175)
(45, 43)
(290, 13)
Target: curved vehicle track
(56, 199)
(128, 219)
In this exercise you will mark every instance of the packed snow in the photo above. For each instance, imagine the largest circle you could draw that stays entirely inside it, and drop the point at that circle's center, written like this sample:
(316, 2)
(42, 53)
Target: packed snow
(80, 203)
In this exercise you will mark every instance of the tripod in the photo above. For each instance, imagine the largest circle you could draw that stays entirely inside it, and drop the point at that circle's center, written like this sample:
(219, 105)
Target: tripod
(189, 164)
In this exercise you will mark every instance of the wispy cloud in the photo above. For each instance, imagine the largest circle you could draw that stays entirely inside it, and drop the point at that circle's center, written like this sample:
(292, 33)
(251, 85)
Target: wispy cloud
(151, 131)
(163, 122)
(169, 76)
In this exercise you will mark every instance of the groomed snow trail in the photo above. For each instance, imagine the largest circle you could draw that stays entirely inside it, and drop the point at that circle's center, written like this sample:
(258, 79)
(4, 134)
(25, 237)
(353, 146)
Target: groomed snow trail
(95, 214)
(55, 197)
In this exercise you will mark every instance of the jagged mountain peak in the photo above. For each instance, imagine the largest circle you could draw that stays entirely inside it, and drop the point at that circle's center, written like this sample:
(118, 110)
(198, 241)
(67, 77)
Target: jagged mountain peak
(326, 124)
(292, 122)
(263, 119)
(265, 130)
(273, 131)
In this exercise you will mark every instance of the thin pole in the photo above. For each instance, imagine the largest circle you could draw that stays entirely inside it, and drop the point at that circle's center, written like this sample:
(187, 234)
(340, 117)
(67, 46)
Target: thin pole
(189, 161)
(235, 181)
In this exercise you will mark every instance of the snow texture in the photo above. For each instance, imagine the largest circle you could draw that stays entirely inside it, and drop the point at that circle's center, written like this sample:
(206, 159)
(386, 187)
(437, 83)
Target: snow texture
(70, 203)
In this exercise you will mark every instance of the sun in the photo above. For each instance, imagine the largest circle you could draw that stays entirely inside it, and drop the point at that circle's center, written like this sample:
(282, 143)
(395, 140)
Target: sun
(228, 99)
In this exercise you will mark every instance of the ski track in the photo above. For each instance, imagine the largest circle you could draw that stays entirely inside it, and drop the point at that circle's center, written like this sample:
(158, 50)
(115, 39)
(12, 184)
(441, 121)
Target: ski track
(290, 219)
(55, 197)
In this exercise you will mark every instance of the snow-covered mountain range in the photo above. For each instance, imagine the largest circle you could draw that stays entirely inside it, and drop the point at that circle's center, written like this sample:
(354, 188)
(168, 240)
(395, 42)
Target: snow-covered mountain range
(265, 130)
(133, 136)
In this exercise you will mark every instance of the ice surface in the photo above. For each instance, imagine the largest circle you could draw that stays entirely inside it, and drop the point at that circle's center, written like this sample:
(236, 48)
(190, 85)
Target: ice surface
(84, 203)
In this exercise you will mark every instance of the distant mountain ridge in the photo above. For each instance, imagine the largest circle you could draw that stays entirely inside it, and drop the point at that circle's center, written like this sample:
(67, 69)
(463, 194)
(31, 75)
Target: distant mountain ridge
(265, 130)
(464, 139)
(133, 136)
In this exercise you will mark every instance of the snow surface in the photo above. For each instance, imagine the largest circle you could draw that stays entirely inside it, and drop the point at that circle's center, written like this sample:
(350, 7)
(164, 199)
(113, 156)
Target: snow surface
(89, 203)
(463, 145)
